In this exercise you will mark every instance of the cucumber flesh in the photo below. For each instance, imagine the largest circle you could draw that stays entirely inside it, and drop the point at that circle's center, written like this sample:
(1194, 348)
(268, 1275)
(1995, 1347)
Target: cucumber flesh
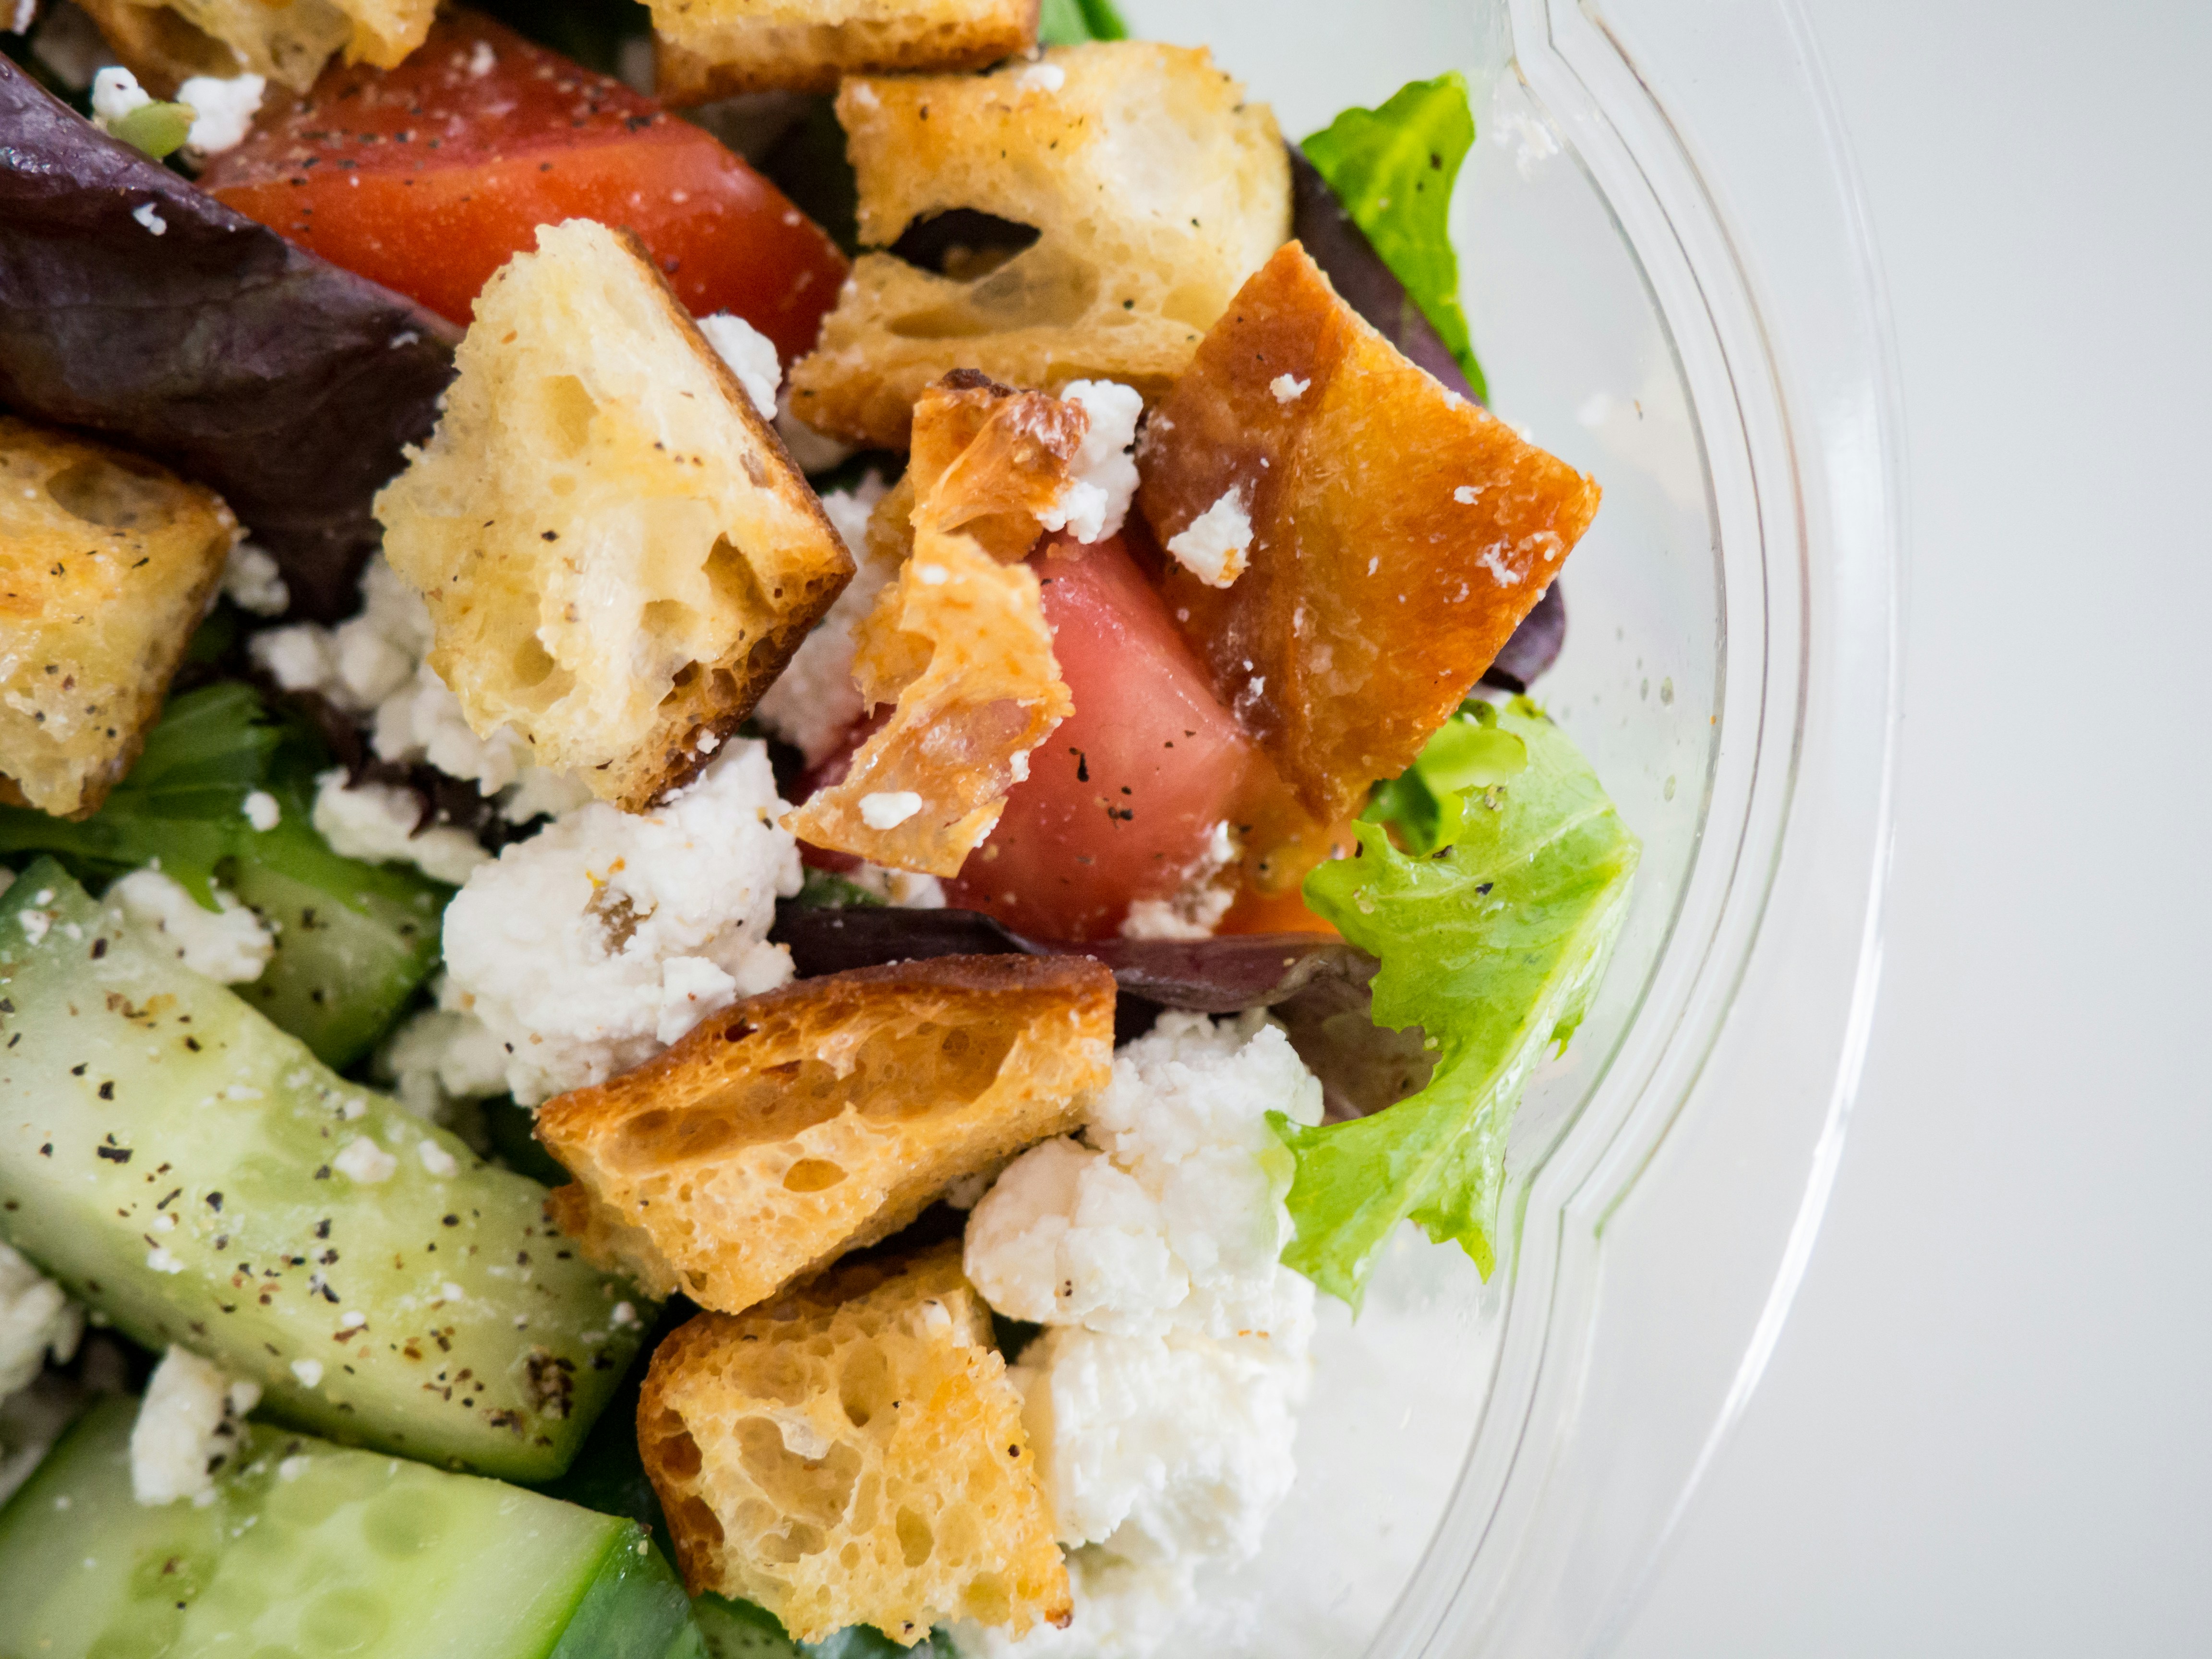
(193, 1173)
(311, 1549)
(342, 970)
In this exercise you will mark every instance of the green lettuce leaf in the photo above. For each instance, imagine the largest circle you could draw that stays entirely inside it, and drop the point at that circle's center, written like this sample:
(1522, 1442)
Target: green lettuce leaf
(1492, 946)
(1394, 168)
(1429, 802)
(1071, 23)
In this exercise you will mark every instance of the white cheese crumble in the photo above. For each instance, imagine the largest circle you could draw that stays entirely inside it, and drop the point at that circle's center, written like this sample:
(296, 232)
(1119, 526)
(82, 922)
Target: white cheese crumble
(814, 702)
(188, 1426)
(1215, 545)
(36, 1319)
(603, 938)
(224, 107)
(438, 1160)
(1172, 1215)
(252, 581)
(363, 1160)
(372, 667)
(310, 1374)
(375, 823)
(904, 888)
(442, 1056)
(229, 944)
(1196, 910)
(887, 809)
(263, 811)
(751, 355)
(1102, 477)
(1041, 77)
(481, 60)
(1465, 494)
(150, 216)
(810, 451)
(115, 94)
(1288, 388)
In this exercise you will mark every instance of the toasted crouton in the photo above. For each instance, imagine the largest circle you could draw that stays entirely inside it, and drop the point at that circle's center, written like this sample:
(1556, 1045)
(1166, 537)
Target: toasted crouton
(853, 1455)
(1156, 187)
(289, 41)
(618, 553)
(717, 48)
(793, 1127)
(1396, 534)
(108, 563)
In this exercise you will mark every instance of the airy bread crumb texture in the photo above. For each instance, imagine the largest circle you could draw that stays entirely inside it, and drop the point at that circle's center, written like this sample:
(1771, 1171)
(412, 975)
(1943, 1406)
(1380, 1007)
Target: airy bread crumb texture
(1397, 533)
(618, 553)
(793, 1127)
(718, 48)
(108, 563)
(164, 42)
(1155, 185)
(853, 1454)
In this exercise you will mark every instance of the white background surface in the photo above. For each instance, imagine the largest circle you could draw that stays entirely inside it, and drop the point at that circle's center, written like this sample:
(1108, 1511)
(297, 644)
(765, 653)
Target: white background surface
(1988, 1427)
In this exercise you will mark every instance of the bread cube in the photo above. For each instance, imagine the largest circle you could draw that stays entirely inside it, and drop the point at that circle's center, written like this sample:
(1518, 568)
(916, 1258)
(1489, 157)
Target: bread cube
(716, 48)
(793, 1127)
(853, 1454)
(1395, 533)
(1155, 185)
(289, 41)
(618, 553)
(108, 563)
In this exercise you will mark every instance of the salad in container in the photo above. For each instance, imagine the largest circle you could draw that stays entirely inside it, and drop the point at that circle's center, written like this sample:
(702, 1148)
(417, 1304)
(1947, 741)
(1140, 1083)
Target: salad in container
(776, 783)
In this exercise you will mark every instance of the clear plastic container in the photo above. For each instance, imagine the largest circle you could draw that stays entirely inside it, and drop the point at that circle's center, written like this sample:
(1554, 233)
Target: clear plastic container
(1671, 286)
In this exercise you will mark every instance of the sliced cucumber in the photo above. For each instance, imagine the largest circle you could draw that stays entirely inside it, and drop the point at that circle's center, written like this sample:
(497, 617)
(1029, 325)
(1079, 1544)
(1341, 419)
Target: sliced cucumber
(342, 970)
(310, 1549)
(192, 1172)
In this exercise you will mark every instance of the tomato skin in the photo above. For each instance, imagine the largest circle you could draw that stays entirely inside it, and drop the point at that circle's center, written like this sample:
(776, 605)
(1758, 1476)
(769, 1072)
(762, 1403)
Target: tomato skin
(429, 177)
(1122, 799)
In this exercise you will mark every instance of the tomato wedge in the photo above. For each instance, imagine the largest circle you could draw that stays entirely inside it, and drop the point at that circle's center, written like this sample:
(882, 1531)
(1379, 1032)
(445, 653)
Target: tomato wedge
(428, 177)
(1123, 798)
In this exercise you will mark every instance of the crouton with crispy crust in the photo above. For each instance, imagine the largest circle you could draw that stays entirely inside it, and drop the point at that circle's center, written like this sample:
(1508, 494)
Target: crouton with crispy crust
(618, 553)
(795, 1126)
(718, 48)
(1155, 185)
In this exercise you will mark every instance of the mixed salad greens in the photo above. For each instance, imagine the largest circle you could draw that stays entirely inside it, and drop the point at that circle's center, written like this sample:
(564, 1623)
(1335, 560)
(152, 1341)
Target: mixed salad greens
(417, 1403)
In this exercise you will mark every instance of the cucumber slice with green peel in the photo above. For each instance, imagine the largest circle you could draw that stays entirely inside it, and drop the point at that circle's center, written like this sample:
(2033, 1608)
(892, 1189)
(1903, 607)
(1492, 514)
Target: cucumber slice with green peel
(309, 1549)
(193, 1173)
(341, 971)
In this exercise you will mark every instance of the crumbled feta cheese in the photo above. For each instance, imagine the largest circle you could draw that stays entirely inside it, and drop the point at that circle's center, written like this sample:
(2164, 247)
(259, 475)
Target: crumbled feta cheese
(810, 451)
(224, 109)
(1195, 911)
(310, 1373)
(1173, 1215)
(598, 941)
(814, 702)
(442, 1056)
(1288, 388)
(35, 924)
(903, 887)
(751, 355)
(481, 60)
(361, 1159)
(1215, 545)
(188, 1426)
(1102, 478)
(115, 94)
(1465, 494)
(229, 944)
(252, 581)
(263, 811)
(1500, 572)
(623, 1315)
(375, 822)
(1041, 77)
(887, 809)
(36, 1319)
(438, 1160)
(160, 1260)
(150, 216)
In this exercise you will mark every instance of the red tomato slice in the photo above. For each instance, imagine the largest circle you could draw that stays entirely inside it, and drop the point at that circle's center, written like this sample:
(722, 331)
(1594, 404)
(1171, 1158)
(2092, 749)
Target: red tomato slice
(428, 177)
(1122, 799)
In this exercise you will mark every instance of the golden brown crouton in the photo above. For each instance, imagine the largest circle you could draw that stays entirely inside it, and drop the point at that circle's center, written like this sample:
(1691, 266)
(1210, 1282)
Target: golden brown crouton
(618, 553)
(1156, 187)
(716, 48)
(853, 1455)
(1396, 534)
(287, 40)
(793, 1127)
(108, 563)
